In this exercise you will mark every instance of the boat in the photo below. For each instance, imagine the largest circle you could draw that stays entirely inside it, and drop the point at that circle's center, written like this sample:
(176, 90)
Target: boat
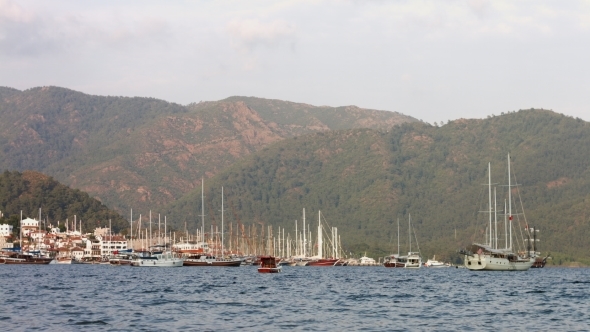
(268, 264)
(487, 256)
(63, 260)
(121, 257)
(156, 259)
(323, 262)
(24, 258)
(395, 261)
(287, 262)
(434, 263)
(367, 261)
(319, 260)
(210, 260)
(412, 260)
(540, 262)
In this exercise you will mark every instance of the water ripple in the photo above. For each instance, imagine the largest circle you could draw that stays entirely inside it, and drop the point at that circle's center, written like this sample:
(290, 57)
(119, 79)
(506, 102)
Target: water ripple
(102, 298)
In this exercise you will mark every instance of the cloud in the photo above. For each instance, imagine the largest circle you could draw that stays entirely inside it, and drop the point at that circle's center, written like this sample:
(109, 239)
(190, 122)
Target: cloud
(251, 33)
(27, 33)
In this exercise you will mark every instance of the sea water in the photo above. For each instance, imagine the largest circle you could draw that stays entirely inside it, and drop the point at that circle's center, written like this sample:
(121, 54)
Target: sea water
(121, 298)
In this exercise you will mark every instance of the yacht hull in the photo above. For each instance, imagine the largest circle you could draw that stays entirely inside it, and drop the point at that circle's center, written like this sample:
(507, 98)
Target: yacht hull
(487, 263)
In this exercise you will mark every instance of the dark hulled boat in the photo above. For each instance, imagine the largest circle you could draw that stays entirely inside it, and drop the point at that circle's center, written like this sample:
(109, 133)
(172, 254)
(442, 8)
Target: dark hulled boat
(205, 260)
(17, 258)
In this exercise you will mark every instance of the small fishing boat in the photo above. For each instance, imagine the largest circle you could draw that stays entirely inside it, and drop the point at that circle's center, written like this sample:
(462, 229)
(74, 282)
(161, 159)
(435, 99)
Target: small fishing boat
(268, 264)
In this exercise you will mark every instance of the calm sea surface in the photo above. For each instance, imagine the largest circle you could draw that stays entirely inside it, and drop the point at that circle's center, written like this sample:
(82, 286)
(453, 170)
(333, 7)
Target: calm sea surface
(107, 298)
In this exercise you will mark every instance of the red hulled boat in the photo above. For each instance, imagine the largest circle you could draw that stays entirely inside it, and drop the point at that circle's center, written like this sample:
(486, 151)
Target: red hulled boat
(268, 264)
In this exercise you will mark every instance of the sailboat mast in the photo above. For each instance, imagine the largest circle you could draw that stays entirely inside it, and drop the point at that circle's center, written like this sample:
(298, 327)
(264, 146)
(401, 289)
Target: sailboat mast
(131, 235)
(495, 221)
(409, 230)
(296, 240)
(397, 236)
(505, 227)
(304, 239)
(151, 237)
(509, 203)
(165, 243)
(222, 222)
(202, 211)
(490, 200)
(320, 242)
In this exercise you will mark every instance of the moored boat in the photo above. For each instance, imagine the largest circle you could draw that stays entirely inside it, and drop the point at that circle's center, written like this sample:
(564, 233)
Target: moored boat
(488, 256)
(435, 264)
(323, 262)
(20, 258)
(159, 259)
(539, 262)
(63, 260)
(209, 260)
(412, 260)
(268, 264)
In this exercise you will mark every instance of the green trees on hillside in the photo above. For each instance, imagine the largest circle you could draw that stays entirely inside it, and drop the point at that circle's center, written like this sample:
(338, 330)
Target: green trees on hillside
(363, 180)
(30, 191)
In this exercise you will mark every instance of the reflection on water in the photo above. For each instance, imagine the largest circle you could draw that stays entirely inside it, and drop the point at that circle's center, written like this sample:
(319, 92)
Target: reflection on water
(102, 297)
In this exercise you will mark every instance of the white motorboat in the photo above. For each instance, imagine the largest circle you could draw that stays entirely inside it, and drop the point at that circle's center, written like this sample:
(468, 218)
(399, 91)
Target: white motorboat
(434, 263)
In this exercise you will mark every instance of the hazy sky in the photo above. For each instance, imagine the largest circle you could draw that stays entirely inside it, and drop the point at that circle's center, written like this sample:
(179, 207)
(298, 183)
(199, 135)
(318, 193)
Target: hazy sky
(434, 60)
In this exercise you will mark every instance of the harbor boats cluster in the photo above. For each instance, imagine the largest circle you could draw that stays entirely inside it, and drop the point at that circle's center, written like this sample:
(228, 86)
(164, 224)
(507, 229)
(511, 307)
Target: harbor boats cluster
(270, 253)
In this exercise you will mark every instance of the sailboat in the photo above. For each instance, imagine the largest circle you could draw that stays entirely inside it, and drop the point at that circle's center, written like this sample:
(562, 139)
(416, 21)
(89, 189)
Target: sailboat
(412, 260)
(319, 260)
(207, 259)
(488, 256)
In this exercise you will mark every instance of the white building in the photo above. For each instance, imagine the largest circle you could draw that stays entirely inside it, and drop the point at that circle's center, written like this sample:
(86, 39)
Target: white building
(29, 225)
(5, 230)
(77, 253)
(110, 244)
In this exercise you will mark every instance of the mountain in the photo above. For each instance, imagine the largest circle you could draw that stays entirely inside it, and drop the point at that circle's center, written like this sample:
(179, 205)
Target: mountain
(30, 191)
(144, 153)
(363, 180)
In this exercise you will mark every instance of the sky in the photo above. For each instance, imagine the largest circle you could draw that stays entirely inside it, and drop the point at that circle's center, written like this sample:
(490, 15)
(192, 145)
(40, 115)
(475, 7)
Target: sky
(433, 60)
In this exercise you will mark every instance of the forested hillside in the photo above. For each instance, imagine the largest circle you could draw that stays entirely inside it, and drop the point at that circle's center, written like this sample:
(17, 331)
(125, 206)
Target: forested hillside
(364, 180)
(143, 153)
(30, 191)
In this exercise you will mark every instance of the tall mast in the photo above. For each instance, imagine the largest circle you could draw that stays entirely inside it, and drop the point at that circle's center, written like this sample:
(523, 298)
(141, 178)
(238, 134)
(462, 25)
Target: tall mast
(410, 230)
(320, 242)
(397, 236)
(165, 243)
(202, 211)
(296, 240)
(221, 221)
(21, 231)
(131, 235)
(490, 200)
(304, 252)
(509, 203)
(150, 241)
(505, 227)
(495, 221)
